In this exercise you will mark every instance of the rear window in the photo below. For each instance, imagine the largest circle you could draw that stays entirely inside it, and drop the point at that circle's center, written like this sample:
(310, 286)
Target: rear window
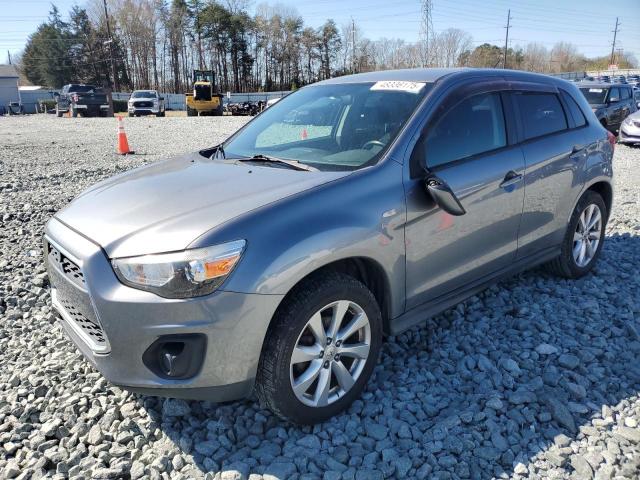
(81, 88)
(541, 113)
(574, 109)
(625, 94)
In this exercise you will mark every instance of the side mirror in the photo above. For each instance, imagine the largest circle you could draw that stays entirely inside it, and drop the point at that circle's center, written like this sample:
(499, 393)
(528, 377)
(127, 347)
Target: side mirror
(443, 196)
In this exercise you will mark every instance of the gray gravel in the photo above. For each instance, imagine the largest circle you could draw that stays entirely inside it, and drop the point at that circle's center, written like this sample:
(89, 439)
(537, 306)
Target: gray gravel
(534, 378)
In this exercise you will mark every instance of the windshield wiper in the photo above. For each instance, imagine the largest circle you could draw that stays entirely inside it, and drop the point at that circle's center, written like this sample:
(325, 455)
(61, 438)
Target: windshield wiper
(291, 163)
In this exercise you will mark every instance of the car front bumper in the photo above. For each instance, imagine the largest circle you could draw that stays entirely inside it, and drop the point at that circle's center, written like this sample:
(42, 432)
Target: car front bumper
(629, 133)
(114, 325)
(145, 110)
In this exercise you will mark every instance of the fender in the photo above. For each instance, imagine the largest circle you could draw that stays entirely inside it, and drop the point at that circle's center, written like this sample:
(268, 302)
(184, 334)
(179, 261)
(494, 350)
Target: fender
(361, 215)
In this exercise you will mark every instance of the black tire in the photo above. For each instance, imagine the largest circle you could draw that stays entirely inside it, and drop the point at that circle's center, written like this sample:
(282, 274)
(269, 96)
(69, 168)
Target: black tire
(130, 115)
(191, 112)
(273, 383)
(74, 112)
(565, 265)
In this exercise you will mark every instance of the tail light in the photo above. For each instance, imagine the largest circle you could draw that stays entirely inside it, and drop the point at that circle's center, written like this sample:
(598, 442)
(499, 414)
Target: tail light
(612, 139)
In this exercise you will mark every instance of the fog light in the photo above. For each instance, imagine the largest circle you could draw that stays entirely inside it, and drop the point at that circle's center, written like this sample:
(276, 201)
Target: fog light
(176, 356)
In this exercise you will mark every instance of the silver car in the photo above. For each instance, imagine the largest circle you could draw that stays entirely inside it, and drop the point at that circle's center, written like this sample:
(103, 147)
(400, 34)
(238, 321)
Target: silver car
(630, 129)
(351, 209)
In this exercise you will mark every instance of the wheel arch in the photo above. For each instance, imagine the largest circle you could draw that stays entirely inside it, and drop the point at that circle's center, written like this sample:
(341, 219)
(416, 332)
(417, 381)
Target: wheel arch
(605, 190)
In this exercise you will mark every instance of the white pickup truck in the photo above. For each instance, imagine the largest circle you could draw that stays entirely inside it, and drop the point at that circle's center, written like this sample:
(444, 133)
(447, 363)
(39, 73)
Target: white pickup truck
(146, 102)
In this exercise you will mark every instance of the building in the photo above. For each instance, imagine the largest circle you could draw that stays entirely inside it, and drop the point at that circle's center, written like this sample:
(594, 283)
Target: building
(8, 87)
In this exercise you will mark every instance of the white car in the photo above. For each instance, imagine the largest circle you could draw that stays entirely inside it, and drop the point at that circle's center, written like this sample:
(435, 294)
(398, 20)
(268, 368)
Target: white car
(630, 129)
(146, 102)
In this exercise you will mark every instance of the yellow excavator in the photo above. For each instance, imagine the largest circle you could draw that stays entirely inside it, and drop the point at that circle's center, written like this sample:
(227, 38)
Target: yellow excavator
(204, 100)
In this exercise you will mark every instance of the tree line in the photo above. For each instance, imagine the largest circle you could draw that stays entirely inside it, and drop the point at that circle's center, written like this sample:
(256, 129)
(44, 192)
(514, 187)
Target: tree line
(158, 43)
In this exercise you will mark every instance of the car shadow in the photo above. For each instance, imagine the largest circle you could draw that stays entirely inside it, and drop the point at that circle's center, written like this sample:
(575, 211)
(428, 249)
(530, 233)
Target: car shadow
(498, 386)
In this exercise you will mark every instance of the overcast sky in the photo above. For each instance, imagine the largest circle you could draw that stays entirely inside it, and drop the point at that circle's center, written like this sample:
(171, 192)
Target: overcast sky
(588, 24)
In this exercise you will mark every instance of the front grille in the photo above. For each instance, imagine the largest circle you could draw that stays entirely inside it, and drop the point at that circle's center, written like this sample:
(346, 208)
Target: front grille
(93, 330)
(65, 265)
(143, 104)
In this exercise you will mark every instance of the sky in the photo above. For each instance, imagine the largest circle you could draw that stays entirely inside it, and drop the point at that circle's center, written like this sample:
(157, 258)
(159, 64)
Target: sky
(588, 24)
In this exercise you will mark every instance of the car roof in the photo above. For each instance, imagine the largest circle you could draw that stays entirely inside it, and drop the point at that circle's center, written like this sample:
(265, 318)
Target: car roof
(433, 74)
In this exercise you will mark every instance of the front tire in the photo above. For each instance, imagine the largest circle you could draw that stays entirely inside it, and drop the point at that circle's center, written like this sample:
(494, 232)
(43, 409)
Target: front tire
(584, 238)
(320, 349)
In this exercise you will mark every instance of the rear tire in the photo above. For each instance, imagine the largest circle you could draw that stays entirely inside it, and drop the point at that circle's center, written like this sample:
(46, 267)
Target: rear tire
(576, 261)
(74, 112)
(342, 364)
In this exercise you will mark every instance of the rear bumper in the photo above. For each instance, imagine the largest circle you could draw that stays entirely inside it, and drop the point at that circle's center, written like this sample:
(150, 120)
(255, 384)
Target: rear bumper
(131, 320)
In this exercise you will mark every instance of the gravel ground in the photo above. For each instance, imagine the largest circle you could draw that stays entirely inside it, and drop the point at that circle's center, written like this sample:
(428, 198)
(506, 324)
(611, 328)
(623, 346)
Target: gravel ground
(534, 378)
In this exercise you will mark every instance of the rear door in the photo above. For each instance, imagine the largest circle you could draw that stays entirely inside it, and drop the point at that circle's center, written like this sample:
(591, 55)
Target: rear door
(555, 150)
(467, 144)
(615, 107)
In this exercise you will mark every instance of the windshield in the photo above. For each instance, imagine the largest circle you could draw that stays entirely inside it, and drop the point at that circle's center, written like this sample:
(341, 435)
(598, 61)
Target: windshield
(331, 127)
(143, 95)
(595, 96)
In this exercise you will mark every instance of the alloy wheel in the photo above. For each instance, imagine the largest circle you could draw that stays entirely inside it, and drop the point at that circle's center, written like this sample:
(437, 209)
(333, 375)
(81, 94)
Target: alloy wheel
(330, 353)
(586, 238)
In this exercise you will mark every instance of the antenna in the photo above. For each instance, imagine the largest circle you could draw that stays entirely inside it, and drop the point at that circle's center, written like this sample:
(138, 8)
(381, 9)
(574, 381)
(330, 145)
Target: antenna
(426, 33)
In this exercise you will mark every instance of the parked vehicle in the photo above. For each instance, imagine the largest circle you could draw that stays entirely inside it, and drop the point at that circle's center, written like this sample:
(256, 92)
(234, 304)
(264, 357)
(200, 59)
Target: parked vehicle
(611, 103)
(245, 108)
(604, 79)
(204, 99)
(353, 207)
(630, 129)
(84, 100)
(636, 97)
(619, 79)
(146, 102)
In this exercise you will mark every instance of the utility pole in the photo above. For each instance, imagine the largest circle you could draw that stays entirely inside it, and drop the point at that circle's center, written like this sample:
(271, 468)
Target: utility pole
(426, 32)
(353, 45)
(613, 46)
(114, 77)
(9, 56)
(506, 39)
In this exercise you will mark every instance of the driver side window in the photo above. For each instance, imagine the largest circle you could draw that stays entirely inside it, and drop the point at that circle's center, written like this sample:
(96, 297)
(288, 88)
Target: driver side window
(473, 126)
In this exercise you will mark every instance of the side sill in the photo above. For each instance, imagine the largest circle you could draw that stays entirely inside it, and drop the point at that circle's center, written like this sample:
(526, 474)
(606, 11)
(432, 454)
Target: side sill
(420, 313)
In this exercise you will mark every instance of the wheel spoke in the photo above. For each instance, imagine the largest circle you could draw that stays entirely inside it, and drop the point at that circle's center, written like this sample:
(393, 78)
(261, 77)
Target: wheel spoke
(321, 396)
(577, 248)
(305, 353)
(345, 380)
(577, 237)
(359, 321)
(304, 381)
(317, 328)
(357, 350)
(590, 250)
(583, 221)
(583, 251)
(339, 311)
(595, 218)
(594, 235)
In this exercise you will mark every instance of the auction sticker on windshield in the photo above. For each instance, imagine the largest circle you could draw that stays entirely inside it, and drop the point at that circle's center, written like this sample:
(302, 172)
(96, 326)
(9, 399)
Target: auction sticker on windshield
(595, 90)
(410, 87)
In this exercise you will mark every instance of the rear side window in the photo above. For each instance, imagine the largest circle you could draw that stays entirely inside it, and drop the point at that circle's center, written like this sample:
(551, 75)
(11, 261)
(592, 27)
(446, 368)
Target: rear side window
(541, 113)
(574, 109)
(614, 95)
(625, 94)
(473, 126)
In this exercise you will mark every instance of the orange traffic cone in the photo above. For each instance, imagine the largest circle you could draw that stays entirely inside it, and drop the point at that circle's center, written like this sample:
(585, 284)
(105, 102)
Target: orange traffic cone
(123, 144)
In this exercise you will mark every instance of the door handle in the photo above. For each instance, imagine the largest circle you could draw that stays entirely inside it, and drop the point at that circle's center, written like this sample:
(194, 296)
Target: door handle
(511, 178)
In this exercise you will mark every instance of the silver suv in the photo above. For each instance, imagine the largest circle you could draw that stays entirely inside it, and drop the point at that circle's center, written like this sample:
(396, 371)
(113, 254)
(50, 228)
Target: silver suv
(355, 207)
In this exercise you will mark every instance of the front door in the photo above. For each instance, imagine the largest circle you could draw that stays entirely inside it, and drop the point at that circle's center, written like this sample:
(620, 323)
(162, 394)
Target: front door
(468, 146)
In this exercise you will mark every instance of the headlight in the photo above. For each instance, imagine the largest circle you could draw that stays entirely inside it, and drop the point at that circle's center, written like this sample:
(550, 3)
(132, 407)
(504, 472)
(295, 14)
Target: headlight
(191, 273)
(627, 121)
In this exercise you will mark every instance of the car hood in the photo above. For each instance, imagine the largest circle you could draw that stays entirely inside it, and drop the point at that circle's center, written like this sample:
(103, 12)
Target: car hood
(165, 206)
